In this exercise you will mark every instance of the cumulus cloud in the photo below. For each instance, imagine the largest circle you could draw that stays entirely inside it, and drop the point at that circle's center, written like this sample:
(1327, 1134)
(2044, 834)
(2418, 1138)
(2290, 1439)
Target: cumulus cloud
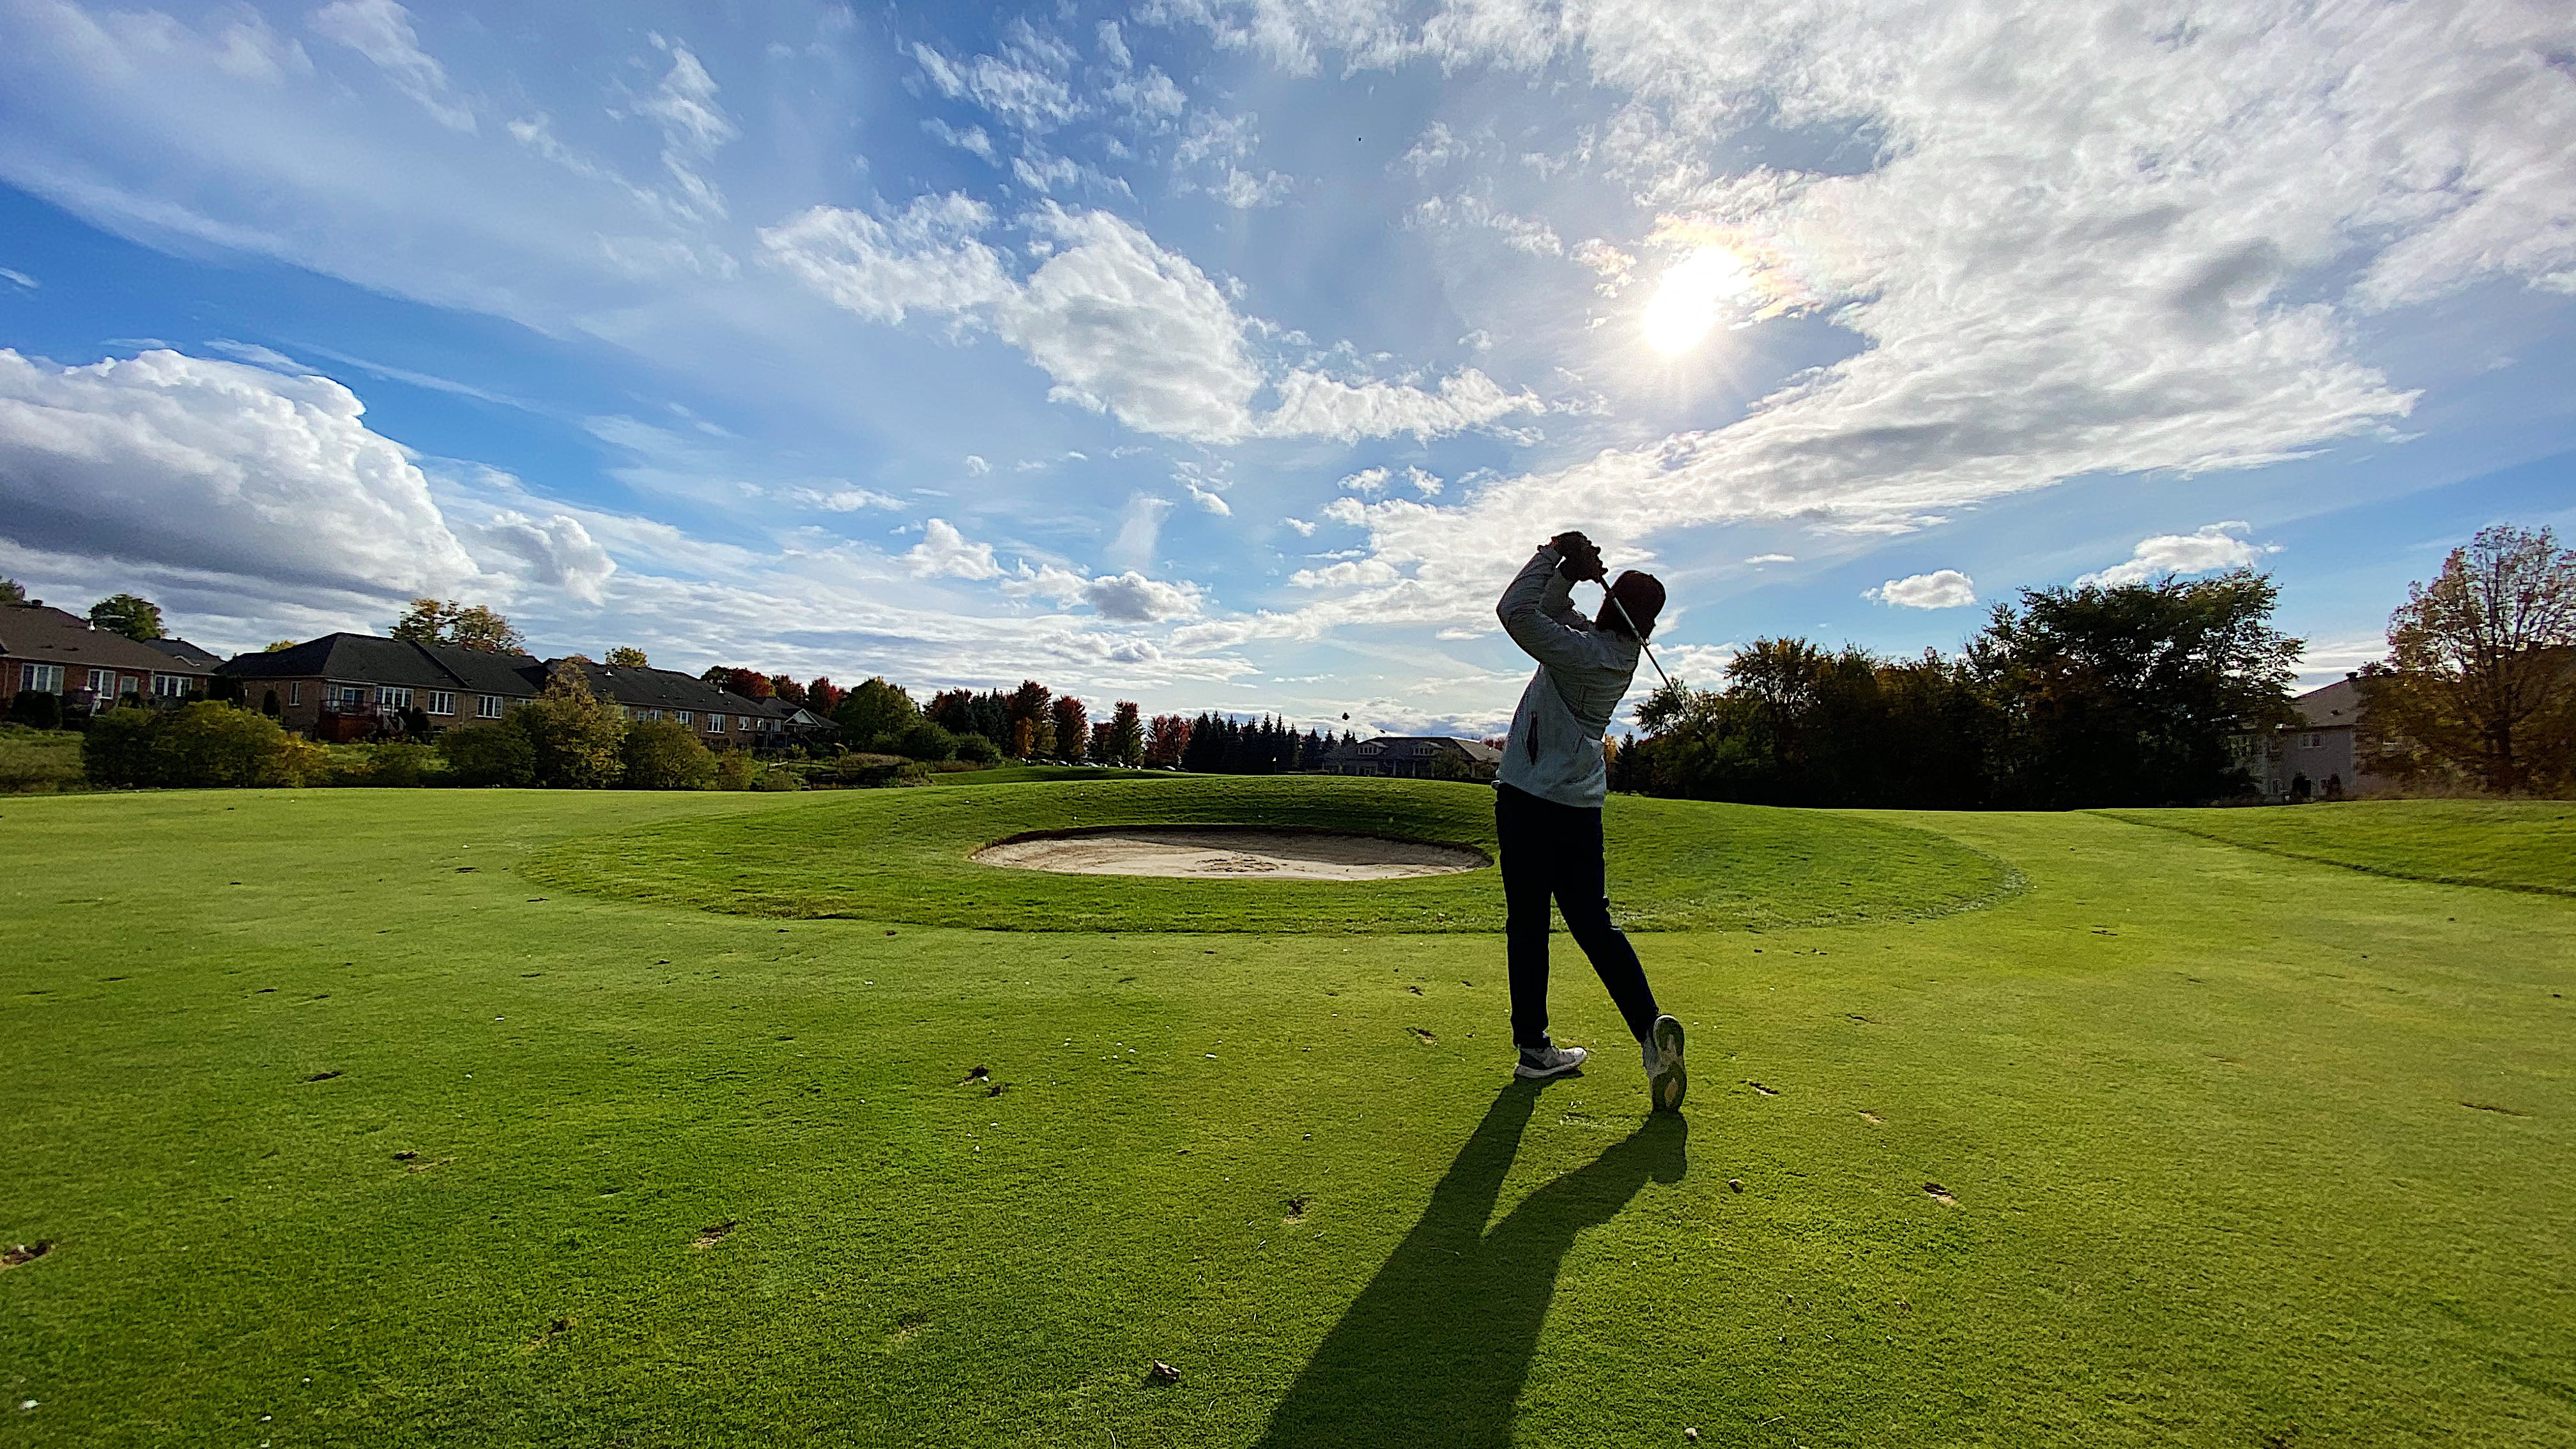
(2209, 548)
(219, 467)
(381, 31)
(557, 552)
(1127, 598)
(945, 551)
(1120, 324)
(1940, 589)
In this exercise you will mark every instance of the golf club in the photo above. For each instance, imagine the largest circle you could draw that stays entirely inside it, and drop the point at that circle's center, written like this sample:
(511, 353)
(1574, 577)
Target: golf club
(1635, 633)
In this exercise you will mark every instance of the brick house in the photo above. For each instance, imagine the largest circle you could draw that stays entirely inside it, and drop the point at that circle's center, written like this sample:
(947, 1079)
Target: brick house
(1415, 757)
(354, 686)
(51, 652)
(720, 717)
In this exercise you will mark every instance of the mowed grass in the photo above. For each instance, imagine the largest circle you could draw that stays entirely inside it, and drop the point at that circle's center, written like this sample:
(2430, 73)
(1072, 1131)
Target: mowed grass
(2514, 844)
(902, 855)
(2238, 1149)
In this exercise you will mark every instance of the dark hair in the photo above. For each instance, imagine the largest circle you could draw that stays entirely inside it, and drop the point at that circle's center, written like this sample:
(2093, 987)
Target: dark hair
(1641, 598)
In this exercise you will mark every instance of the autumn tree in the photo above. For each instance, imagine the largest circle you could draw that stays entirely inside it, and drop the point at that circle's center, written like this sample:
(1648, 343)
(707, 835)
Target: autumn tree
(2480, 679)
(126, 614)
(823, 696)
(467, 626)
(784, 687)
(1072, 719)
(1126, 732)
(625, 656)
(1166, 740)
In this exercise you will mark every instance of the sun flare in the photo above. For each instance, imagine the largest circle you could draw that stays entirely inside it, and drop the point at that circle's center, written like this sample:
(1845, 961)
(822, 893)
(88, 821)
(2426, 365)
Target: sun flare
(1694, 295)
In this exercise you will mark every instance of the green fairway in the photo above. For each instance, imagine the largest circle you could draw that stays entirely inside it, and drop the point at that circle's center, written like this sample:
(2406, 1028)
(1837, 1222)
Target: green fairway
(2513, 844)
(901, 855)
(344, 1130)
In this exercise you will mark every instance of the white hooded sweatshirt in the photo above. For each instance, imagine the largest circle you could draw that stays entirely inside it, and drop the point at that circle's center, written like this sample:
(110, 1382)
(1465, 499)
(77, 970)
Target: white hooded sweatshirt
(1583, 671)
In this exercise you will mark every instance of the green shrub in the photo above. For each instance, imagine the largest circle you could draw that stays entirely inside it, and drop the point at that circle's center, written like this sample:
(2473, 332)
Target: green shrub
(977, 749)
(663, 754)
(36, 709)
(490, 754)
(118, 749)
(576, 738)
(198, 746)
(401, 764)
(736, 770)
(926, 740)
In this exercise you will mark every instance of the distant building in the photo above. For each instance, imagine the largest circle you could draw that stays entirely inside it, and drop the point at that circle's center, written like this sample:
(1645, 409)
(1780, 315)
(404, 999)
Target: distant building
(1415, 757)
(717, 715)
(2316, 757)
(47, 651)
(344, 687)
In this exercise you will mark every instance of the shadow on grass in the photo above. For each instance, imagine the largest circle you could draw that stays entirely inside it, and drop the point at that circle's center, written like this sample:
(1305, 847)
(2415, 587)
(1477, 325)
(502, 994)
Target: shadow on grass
(1436, 1347)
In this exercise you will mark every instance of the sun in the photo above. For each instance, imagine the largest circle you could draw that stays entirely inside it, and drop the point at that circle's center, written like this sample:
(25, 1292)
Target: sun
(1694, 294)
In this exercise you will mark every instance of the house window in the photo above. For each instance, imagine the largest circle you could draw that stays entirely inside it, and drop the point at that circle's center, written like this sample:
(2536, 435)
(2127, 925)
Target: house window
(42, 678)
(170, 686)
(441, 702)
(1371, 748)
(393, 698)
(715, 724)
(102, 682)
(489, 707)
(295, 692)
(651, 714)
(2312, 741)
(681, 715)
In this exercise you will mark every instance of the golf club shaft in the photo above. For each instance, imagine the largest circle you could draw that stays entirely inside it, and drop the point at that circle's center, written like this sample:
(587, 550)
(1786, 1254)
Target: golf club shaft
(1638, 635)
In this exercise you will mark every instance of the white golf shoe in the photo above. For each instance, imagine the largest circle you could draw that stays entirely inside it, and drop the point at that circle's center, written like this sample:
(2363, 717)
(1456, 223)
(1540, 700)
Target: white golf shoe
(1548, 1061)
(1665, 1079)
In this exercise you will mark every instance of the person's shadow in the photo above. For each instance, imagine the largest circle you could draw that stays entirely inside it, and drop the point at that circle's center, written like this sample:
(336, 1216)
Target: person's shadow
(1435, 1348)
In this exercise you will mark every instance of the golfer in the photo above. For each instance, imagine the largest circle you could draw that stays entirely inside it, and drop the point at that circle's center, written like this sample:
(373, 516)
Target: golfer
(1547, 802)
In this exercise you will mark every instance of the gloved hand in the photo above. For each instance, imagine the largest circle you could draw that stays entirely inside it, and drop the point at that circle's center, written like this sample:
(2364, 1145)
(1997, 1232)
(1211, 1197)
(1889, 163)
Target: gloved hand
(1580, 560)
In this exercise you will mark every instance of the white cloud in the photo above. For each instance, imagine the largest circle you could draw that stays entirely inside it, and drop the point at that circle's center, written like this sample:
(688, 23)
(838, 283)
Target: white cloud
(1304, 528)
(221, 468)
(842, 500)
(943, 551)
(1246, 192)
(2211, 547)
(1940, 589)
(381, 31)
(1772, 558)
(694, 126)
(976, 467)
(927, 258)
(967, 138)
(19, 277)
(1521, 233)
(2095, 244)
(1025, 87)
(557, 552)
(1127, 598)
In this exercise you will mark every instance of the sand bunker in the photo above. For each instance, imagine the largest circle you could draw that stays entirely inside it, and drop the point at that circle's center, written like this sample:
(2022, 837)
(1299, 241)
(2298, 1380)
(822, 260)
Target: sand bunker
(1228, 852)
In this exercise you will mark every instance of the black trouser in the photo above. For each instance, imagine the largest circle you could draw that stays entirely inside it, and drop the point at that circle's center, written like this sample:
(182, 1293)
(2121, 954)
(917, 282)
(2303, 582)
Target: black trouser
(1555, 850)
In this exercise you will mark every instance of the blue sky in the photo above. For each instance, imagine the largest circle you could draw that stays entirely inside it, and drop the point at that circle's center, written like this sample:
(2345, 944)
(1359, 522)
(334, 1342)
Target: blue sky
(1233, 355)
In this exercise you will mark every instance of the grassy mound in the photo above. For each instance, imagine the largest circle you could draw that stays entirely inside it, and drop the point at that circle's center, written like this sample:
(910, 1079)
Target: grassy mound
(2519, 845)
(902, 856)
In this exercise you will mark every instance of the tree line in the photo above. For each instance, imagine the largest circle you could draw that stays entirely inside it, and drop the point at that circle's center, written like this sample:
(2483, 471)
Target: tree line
(2155, 693)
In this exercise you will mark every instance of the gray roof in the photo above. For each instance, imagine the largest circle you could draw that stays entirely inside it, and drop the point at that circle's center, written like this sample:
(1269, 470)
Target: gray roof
(50, 636)
(367, 659)
(187, 653)
(2338, 704)
(658, 689)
